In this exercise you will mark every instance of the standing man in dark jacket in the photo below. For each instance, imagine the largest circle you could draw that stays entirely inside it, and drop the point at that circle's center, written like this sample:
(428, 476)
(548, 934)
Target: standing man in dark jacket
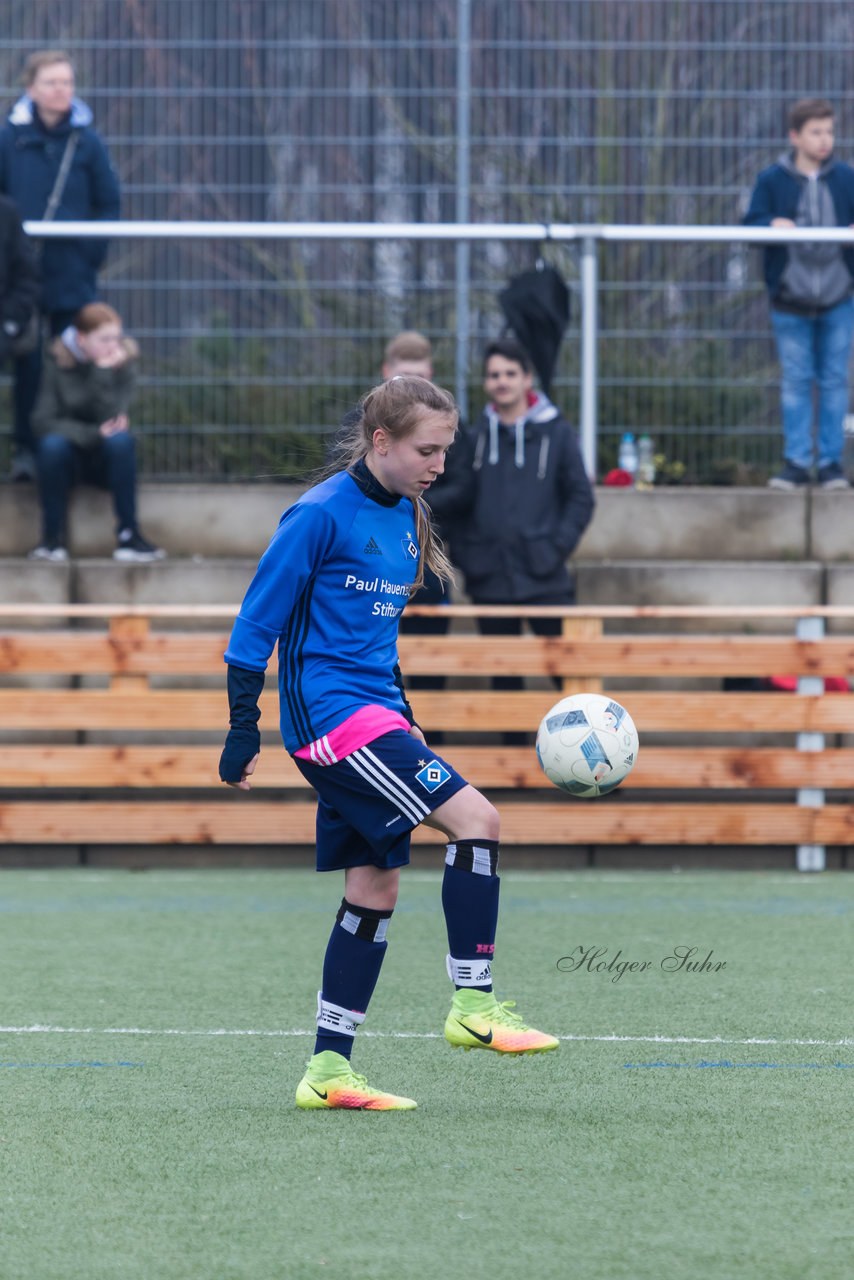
(520, 500)
(810, 288)
(522, 492)
(49, 149)
(19, 277)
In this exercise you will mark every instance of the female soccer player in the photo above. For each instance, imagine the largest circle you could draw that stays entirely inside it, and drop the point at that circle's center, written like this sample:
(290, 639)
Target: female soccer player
(329, 591)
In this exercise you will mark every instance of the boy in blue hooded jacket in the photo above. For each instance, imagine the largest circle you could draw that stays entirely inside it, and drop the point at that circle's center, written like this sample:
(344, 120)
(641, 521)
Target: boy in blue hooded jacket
(810, 290)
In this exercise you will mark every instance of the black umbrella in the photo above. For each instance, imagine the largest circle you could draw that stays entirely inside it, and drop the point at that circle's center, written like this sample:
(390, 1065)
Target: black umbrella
(536, 307)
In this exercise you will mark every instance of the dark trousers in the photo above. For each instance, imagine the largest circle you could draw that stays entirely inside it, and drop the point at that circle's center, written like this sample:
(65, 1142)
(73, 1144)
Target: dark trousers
(27, 373)
(512, 626)
(109, 465)
(433, 592)
(424, 627)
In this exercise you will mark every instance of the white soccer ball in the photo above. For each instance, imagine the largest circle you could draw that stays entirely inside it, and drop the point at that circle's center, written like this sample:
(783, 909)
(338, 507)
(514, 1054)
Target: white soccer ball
(587, 744)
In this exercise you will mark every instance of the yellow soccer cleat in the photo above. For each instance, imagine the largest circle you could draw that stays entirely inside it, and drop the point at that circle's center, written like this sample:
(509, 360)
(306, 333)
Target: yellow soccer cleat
(478, 1021)
(331, 1083)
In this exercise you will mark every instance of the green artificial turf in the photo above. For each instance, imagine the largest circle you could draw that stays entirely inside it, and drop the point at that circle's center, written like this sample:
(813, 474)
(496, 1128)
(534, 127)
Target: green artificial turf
(692, 1124)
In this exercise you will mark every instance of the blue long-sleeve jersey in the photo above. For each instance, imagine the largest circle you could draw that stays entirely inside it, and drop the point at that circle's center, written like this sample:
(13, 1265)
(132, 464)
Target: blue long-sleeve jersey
(329, 591)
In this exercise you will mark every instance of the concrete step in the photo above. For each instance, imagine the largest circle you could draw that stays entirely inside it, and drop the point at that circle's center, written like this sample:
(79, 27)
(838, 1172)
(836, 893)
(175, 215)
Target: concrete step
(717, 582)
(199, 580)
(187, 520)
(228, 520)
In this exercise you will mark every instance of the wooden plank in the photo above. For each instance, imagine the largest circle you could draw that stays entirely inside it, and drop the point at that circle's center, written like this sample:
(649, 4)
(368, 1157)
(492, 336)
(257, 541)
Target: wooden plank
(158, 709)
(458, 710)
(117, 653)
(135, 767)
(118, 822)
(739, 712)
(575, 630)
(126, 632)
(490, 768)
(741, 769)
(228, 611)
(131, 649)
(570, 823)
(90, 611)
(611, 821)
(834, 825)
(627, 656)
(721, 612)
(666, 711)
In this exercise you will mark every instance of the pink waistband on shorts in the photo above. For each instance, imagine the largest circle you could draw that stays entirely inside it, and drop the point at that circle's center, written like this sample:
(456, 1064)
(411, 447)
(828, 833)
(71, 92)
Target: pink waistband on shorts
(362, 727)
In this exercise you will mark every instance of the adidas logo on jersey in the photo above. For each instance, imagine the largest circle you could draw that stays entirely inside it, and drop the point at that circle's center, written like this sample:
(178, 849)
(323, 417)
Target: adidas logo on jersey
(372, 549)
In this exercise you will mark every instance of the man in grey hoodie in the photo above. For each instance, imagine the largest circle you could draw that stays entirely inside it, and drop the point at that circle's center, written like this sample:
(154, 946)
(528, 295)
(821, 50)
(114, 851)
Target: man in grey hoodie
(517, 501)
(810, 288)
(522, 498)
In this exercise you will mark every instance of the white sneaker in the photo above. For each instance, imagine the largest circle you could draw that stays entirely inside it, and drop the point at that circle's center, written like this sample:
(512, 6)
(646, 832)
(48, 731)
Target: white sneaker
(133, 547)
(49, 551)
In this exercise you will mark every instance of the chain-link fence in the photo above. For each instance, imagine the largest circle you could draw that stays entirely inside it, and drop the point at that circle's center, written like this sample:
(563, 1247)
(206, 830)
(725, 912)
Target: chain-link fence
(630, 111)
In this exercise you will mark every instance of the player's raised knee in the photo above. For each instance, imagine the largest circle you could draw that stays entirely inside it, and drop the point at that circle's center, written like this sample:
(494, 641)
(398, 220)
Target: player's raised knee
(468, 816)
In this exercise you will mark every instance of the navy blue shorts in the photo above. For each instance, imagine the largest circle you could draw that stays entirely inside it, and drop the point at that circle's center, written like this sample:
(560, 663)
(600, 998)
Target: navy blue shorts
(369, 802)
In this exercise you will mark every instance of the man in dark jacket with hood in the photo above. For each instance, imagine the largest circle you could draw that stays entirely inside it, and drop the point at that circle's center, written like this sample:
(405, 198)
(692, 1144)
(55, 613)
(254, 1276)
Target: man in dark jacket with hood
(48, 148)
(518, 500)
(810, 288)
(522, 494)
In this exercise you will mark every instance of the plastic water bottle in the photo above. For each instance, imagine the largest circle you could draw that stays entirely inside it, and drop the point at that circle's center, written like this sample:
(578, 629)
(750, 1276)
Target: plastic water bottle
(627, 459)
(646, 463)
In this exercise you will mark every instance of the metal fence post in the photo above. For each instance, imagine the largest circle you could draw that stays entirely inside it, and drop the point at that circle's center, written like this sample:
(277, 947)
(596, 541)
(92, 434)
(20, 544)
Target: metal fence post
(589, 327)
(810, 857)
(463, 250)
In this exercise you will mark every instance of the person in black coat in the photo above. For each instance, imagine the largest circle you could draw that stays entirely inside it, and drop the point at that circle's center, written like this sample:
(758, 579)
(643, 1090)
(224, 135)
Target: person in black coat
(47, 129)
(517, 500)
(19, 278)
(522, 495)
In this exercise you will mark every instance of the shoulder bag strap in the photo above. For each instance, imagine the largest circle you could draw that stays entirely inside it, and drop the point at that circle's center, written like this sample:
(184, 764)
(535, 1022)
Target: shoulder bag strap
(59, 185)
(62, 177)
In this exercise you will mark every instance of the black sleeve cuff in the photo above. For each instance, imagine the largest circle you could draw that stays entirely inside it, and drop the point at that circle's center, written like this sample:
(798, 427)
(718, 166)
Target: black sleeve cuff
(244, 690)
(243, 740)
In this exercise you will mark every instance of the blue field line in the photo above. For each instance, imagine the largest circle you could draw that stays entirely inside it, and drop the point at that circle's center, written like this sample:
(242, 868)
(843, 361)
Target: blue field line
(71, 1064)
(774, 1066)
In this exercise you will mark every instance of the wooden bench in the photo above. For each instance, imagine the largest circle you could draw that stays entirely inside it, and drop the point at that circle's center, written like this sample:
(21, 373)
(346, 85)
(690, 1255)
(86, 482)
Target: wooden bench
(141, 714)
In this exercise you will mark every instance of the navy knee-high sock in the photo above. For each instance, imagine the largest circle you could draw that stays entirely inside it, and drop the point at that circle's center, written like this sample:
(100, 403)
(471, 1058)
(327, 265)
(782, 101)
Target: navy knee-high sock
(351, 967)
(470, 902)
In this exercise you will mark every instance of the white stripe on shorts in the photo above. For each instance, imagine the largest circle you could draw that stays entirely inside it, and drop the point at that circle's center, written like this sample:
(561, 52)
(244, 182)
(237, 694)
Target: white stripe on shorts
(321, 752)
(397, 784)
(388, 784)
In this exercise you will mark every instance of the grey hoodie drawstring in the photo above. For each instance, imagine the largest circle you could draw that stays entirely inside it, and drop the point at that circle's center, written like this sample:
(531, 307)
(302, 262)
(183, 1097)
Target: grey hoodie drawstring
(520, 441)
(544, 457)
(519, 429)
(493, 439)
(493, 424)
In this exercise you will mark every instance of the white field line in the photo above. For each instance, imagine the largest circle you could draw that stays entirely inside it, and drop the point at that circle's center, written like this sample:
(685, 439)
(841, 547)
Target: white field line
(44, 1029)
